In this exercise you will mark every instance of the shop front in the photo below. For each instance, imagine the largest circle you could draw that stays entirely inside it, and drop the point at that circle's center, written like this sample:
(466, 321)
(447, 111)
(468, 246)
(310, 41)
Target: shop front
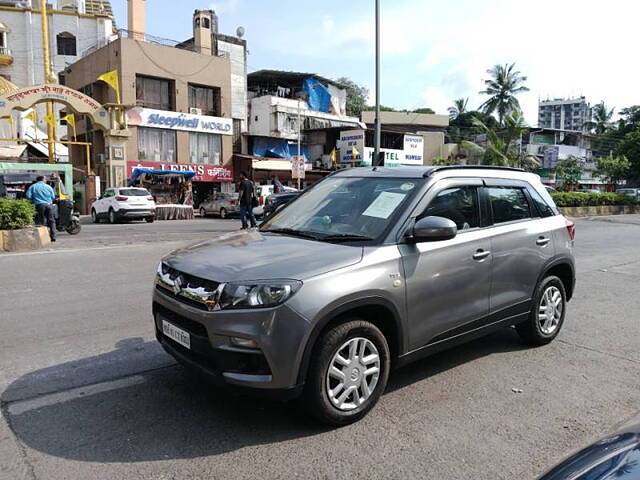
(208, 178)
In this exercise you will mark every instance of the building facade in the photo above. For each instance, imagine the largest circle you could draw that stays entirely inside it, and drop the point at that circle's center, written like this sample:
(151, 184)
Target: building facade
(564, 114)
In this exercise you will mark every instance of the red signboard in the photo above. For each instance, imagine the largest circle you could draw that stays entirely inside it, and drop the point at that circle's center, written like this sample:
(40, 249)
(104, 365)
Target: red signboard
(204, 172)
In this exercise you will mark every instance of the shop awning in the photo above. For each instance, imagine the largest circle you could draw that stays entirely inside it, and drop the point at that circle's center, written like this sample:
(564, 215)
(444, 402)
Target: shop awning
(138, 172)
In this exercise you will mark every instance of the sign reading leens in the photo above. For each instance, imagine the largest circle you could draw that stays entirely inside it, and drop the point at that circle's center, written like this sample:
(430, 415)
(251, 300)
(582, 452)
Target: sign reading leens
(204, 172)
(147, 117)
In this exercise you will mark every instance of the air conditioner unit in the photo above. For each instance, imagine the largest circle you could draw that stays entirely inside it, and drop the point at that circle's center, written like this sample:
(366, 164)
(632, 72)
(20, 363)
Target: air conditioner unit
(195, 111)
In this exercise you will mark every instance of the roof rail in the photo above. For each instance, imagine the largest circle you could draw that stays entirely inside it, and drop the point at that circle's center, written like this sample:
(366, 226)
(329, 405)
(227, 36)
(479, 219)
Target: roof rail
(465, 167)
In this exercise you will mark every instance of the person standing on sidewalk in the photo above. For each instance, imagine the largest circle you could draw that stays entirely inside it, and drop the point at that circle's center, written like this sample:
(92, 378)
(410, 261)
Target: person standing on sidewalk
(247, 200)
(43, 196)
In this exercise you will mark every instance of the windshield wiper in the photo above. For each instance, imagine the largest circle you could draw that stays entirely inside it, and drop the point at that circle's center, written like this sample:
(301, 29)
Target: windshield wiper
(344, 237)
(293, 232)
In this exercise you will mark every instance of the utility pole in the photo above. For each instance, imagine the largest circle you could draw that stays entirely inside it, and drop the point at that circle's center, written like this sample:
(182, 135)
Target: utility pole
(299, 141)
(51, 130)
(376, 154)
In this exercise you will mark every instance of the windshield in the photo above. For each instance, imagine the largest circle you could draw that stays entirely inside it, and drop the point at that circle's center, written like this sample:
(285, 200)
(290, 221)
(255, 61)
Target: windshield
(134, 192)
(344, 208)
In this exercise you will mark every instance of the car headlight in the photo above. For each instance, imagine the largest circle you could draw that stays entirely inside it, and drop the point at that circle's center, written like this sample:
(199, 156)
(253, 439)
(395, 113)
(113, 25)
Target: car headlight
(260, 294)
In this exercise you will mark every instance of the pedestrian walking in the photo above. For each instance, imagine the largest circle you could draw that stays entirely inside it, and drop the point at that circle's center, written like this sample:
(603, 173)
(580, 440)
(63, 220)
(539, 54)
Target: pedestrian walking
(247, 201)
(277, 186)
(43, 196)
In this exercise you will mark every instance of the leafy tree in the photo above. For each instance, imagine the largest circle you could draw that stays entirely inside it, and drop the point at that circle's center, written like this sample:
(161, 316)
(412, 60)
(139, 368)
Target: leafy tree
(630, 148)
(464, 127)
(424, 110)
(505, 83)
(356, 96)
(601, 119)
(629, 119)
(569, 171)
(383, 108)
(501, 147)
(459, 107)
(613, 169)
(445, 161)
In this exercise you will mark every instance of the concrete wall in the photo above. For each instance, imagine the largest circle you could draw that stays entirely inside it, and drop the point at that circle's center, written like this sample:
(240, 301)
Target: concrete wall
(433, 142)
(133, 58)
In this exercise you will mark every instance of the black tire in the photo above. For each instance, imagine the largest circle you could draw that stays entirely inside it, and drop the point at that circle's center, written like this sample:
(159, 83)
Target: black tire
(94, 216)
(531, 331)
(74, 228)
(112, 216)
(149, 219)
(316, 397)
(203, 213)
(223, 213)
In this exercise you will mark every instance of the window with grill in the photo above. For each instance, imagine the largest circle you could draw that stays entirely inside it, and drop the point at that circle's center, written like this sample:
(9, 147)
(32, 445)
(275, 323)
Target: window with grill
(154, 93)
(66, 44)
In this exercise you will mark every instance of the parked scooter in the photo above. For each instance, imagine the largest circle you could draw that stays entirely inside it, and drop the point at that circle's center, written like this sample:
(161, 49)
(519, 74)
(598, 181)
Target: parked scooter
(66, 218)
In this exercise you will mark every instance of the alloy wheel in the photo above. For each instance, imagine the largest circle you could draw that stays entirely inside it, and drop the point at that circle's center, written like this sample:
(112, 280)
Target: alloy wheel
(353, 374)
(550, 310)
(223, 213)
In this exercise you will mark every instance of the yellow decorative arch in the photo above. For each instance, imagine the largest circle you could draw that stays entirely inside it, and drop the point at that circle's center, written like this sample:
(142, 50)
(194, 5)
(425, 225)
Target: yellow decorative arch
(25, 98)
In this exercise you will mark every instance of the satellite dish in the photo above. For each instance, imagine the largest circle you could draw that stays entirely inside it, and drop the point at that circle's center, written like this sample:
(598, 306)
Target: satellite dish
(240, 32)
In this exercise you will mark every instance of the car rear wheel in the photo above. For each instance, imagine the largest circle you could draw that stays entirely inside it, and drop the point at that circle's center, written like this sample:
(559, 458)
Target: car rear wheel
(112, 216)
(150, 219)
(94, 216)
(223, 213)
(348, 372)
(547, 313)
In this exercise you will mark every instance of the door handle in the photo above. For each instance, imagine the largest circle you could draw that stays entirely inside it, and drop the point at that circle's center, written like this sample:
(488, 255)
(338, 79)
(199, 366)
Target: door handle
(481, 254)
(542, 241)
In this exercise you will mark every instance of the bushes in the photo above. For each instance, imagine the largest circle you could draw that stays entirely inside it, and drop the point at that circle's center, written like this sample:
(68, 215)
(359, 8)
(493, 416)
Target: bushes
(576, 199)
(16, 214)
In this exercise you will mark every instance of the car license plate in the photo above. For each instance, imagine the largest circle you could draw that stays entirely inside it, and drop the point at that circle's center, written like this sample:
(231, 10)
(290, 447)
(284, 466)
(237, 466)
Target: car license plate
(176, 334)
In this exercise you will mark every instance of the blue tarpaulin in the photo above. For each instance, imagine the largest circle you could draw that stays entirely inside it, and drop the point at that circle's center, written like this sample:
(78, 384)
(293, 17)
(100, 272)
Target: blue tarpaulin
(188, 175)
(277, 148)
(318, 96)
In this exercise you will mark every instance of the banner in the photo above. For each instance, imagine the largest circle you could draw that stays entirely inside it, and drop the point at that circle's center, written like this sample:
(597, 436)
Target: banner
(147, 117)
(204, 172)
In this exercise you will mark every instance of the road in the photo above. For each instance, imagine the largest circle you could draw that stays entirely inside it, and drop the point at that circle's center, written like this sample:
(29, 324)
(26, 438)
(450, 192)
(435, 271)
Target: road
(87, 393)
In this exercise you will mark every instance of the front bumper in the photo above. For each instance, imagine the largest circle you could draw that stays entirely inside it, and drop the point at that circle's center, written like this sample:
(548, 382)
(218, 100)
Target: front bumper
(273, 367)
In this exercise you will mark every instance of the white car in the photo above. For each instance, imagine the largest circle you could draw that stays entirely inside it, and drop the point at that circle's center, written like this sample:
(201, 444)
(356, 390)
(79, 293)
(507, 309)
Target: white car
(127, 203)
(264, 191)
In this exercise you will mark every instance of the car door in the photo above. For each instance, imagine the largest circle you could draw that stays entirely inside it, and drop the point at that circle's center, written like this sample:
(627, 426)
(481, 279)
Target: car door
(521, 244)
(447, 282)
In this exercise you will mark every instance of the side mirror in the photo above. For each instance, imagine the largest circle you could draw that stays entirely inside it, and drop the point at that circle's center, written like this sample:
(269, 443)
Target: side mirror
(432, 229)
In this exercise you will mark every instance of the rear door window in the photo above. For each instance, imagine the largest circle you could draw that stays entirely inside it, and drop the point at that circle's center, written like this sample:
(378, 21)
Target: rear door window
(509, 204)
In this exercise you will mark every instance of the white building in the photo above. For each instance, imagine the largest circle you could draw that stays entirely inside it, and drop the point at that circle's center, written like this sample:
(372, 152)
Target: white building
(75, 26)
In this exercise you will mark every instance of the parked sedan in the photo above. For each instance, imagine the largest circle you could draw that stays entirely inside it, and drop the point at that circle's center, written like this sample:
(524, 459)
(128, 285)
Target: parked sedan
(276, 200)
(614, 457)
(129, 203)
(223, 204)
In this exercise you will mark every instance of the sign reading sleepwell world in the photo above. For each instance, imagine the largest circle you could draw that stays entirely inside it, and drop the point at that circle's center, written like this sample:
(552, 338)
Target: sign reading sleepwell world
(147, 117)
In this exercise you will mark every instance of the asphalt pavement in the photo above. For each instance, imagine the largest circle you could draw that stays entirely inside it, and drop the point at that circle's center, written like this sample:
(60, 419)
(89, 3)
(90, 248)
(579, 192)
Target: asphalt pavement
(86, 392)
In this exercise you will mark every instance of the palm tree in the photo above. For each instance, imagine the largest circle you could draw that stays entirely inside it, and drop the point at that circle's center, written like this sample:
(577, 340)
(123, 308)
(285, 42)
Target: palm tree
(502, 146)
(459, 107)
(600, 119)
(503, 86)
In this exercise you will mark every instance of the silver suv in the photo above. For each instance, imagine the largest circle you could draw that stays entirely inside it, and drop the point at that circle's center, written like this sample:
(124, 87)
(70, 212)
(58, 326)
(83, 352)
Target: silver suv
(368, 270)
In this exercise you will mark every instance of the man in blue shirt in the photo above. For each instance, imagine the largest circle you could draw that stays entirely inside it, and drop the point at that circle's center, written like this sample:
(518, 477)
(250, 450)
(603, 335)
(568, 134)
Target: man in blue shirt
(43, 196)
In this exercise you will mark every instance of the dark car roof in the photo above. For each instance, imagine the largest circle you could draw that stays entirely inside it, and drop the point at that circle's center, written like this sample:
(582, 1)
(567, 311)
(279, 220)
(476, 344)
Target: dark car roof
(411, 171)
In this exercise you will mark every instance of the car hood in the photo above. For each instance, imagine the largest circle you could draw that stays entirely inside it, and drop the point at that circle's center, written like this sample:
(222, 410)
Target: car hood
(251, 255)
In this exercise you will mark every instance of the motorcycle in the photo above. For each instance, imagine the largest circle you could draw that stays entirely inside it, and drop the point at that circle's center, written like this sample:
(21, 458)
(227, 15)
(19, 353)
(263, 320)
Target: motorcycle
(66, 217)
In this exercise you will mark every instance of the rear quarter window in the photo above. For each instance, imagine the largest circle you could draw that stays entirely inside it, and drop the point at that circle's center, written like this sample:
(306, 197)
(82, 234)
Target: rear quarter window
(541, 205)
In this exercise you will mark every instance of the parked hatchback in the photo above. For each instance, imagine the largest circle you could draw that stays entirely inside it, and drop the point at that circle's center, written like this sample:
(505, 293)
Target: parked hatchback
(222, 204)
(129, 203)
(368, 270)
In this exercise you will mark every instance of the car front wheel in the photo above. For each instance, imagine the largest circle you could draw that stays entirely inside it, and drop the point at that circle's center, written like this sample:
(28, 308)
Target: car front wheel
(112, 216)
(223, 213)
(203, 212)
(547, 313)
(94, 216)
(348, 372)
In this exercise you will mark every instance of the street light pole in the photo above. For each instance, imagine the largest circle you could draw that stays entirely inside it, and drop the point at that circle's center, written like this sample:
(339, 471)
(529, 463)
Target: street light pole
(51, 129)
(376, 154)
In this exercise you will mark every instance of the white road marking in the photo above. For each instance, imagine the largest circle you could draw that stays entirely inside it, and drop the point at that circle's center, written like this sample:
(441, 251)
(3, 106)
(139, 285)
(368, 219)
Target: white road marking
(86, 249)
(23, 406)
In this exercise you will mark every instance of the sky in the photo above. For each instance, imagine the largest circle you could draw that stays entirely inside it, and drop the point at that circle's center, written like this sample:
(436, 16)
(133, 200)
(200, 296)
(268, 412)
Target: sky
(434, 52)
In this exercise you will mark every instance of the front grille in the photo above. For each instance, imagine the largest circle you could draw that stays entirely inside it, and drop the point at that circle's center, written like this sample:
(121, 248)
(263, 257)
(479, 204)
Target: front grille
(197, 292)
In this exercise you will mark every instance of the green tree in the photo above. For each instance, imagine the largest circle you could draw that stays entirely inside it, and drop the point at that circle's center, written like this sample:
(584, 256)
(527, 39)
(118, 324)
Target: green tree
(613, 169)
(424, 110)
(383, 108)
(459, 107)
(630, 148)
(465, 127)
(502, 147)
(601, 119)
(569, 171)
(629, 119)
(505, 83)
(357, 96)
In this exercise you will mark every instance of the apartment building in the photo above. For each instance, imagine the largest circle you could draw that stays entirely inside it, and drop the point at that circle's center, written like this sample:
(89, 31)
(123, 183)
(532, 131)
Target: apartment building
(564, 114)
